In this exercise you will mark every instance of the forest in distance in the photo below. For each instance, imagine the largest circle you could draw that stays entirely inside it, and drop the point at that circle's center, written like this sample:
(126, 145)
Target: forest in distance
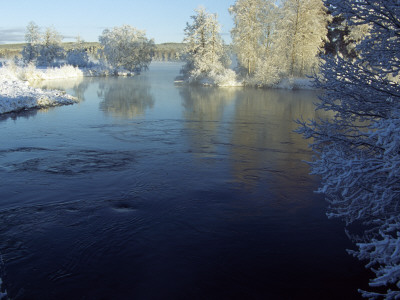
(162, 52)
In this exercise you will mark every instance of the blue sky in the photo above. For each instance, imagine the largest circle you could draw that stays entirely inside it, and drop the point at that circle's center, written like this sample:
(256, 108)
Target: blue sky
(163, 20)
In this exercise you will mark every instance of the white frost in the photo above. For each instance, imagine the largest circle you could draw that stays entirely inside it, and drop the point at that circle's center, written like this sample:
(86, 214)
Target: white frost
(16, 94)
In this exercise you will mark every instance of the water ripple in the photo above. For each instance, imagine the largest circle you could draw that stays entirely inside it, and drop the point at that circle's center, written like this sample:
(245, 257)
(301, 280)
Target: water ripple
(69, 163)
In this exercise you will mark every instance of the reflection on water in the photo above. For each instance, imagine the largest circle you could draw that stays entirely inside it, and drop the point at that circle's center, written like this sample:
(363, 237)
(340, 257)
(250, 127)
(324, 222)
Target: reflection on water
(14, 116)
(76, 86)
(147, 190)
(204, 107)
(254, 130)
(125, 97)
(266, 151)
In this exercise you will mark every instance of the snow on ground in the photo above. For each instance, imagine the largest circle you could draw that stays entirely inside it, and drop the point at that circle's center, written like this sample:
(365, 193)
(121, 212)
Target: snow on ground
(284, 83)
(17, 95)
(295, 84)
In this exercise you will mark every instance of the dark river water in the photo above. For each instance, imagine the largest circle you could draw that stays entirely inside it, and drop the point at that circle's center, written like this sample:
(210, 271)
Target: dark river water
(147, 190)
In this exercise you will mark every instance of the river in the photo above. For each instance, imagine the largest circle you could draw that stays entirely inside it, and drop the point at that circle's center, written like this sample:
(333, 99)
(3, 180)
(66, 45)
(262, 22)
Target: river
(147, 190)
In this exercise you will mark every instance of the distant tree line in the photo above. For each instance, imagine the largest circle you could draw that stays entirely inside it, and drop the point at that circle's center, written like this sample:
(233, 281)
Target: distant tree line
(168, 52)
(162, 52)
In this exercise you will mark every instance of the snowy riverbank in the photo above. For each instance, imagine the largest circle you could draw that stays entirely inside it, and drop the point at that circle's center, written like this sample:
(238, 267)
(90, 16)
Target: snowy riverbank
(16, 94)
(284, 84)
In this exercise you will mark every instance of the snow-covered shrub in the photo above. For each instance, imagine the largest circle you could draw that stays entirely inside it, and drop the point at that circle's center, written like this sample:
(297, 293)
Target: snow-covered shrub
(266, 73)
(49, 54)
(127, 47)
(225, 78)
(66, 71)
(30, 53)
(78, 58)
(358, 151)
(31, 73)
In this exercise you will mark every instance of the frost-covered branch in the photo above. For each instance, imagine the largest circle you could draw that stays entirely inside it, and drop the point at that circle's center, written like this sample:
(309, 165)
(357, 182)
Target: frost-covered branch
(357, 153)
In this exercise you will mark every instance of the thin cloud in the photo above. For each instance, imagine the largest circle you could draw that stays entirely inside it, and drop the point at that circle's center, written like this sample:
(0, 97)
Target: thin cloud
(16, 34)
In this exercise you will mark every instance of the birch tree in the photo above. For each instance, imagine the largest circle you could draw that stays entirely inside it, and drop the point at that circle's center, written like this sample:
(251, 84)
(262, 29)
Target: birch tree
(358, 151)
(50, 47)
(248, 34)
(301, 33)
(30, 52)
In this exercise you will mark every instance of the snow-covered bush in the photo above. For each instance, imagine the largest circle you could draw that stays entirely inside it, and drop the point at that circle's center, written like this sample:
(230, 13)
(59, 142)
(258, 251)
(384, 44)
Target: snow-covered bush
(127, 47)
(78, 58)
(267, 73)
(30, 53)
(225, 78)
(358, 151)
(30, 73)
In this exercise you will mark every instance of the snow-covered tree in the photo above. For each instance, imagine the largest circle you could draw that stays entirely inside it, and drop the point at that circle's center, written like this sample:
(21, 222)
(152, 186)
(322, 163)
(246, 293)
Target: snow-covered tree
(127, 47)
(358, 151)
(205, 53)
(255, 22)
(78, 56)
(302, 29)
(50, 47)
(30, 52)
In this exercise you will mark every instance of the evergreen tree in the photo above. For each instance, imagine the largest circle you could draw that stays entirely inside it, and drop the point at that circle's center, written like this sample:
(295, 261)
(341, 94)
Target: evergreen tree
(205, 53)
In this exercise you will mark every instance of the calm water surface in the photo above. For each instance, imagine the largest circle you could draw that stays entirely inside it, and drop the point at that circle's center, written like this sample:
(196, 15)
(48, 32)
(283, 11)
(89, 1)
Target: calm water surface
(146, 190)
